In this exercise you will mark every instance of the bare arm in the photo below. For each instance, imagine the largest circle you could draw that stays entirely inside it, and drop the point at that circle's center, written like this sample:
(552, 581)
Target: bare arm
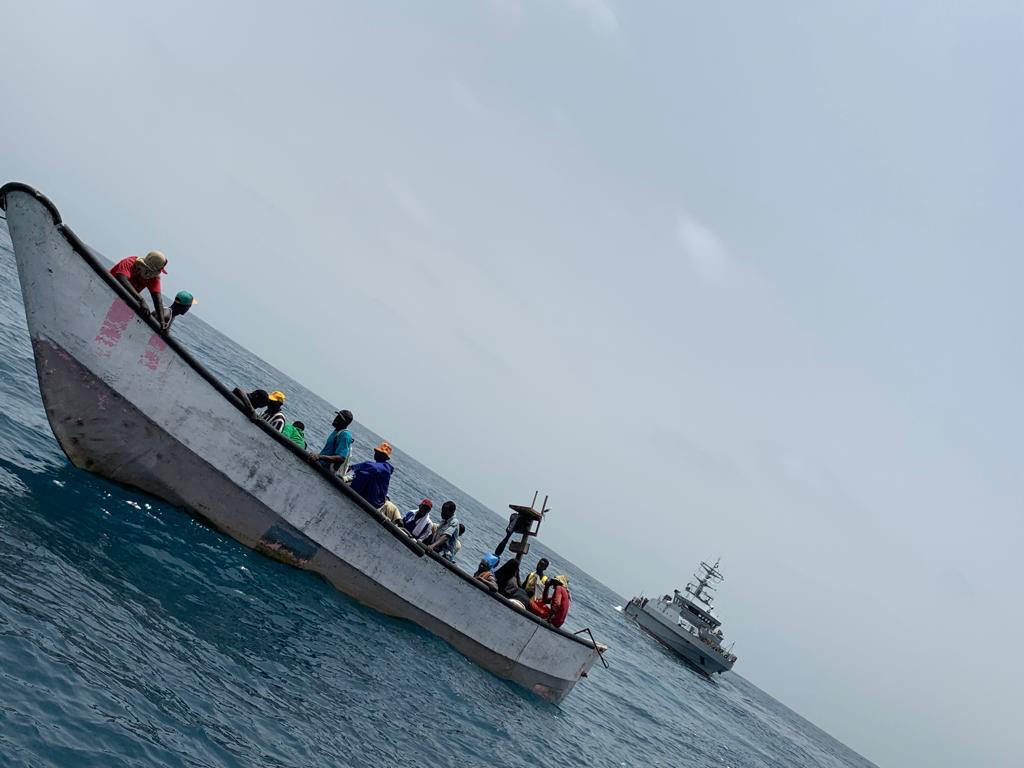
(131, 290)
(158, 305)
(444, 538)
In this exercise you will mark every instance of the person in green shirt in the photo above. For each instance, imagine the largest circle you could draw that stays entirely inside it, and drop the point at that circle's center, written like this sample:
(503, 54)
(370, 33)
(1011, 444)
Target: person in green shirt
(296, 432)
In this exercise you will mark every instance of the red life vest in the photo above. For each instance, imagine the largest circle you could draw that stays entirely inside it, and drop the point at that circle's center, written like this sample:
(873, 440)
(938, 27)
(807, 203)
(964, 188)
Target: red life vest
(559, 606)
(539, 608)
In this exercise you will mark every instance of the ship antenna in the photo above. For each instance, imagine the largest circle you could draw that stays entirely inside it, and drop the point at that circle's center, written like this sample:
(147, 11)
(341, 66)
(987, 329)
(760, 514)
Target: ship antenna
(705, 577)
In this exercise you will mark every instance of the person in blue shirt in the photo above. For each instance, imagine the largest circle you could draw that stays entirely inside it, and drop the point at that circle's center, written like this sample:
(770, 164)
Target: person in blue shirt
(338, 446)
(370, 479)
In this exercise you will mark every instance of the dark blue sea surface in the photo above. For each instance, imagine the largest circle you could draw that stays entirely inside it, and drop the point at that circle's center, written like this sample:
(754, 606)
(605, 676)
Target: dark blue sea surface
(133, 635)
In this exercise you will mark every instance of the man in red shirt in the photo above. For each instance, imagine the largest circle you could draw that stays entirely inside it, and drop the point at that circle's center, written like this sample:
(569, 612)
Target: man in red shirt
(554, 607)
(135, 274)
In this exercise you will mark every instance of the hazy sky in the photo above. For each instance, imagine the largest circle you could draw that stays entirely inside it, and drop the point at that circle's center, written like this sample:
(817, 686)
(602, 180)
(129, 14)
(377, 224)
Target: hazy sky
(723, 280)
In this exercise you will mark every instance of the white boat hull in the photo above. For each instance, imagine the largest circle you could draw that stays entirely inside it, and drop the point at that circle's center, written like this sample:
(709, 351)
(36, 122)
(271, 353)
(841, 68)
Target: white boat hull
(692, 650)
(127, 404)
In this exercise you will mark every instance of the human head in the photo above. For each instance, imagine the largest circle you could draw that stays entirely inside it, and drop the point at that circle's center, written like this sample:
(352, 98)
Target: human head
(275, 401)
(342, 419)
(424, 509)
(382, 452)
(542, 565)
(299, 426)
(183, 301)
(152, 264)
(462, 529)
(448, 510)
(259, 398)
(488, 562)
(562, 579)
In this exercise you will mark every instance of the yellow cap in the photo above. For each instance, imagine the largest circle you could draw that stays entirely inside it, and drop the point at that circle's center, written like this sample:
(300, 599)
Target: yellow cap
(277, 396)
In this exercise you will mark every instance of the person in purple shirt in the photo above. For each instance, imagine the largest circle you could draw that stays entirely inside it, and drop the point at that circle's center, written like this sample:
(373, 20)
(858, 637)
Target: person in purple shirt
(370, 479)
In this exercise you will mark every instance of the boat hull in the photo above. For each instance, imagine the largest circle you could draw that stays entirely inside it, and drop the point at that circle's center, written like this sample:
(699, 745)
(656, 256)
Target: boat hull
(695, 653)
(128, 404)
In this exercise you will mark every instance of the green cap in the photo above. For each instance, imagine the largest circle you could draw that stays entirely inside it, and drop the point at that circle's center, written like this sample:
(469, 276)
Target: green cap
(186, 298)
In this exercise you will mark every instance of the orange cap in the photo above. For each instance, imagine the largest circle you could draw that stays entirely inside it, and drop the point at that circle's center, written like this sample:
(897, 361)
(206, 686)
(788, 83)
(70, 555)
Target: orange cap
(384, 447)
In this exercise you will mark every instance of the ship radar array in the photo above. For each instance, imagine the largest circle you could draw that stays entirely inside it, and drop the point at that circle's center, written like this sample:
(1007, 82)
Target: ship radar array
(701, 588)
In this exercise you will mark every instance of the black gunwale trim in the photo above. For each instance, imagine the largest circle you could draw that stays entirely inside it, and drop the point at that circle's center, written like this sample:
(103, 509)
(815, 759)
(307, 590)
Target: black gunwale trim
(413, 546)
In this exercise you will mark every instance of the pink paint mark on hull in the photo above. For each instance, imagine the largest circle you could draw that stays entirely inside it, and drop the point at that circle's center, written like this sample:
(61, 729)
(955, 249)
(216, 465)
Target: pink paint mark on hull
(151, 355)
(117, 319)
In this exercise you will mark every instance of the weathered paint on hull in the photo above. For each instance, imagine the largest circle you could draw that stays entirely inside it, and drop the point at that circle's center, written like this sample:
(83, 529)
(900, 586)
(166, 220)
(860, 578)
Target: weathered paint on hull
(661, 629)
(125, 405)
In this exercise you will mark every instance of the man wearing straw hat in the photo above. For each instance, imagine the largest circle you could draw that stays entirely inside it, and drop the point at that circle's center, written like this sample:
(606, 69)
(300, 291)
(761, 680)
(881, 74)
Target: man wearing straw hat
(135, 274)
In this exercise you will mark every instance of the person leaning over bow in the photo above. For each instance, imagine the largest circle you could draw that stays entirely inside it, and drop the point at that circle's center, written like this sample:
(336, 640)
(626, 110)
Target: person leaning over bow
(135, 274)
(182, 303)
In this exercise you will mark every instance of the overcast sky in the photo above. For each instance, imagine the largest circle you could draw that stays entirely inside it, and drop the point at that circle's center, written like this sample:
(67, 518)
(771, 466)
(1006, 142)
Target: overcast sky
(721, 280)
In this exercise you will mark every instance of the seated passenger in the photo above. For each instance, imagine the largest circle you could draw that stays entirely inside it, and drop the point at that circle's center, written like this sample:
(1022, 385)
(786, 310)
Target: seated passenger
(535, 580)
(296, 432)
(391, 512)
(338, 448)
(135, 274)
(272, 413)
(458, 543)
(559, 600)
(418, 522)
(446, 536)
(538, 607)
(370, 479)
(553, 604)
(182, 303)
(507, 578)
(485, 570)
(258, 398)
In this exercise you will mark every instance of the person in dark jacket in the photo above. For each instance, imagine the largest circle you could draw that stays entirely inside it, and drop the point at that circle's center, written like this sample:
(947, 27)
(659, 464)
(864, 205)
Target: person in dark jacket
(370, 479)
(509, 584)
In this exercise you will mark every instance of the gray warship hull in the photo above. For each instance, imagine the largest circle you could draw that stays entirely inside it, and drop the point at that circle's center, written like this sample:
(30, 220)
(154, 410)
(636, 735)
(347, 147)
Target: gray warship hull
(692, 650)
(131, 405)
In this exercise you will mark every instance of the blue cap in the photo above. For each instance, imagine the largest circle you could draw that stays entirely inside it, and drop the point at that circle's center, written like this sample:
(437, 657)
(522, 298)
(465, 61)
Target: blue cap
(490, 560)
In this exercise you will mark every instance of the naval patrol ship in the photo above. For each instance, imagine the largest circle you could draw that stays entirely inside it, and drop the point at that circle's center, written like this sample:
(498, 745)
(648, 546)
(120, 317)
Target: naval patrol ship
(685, 622)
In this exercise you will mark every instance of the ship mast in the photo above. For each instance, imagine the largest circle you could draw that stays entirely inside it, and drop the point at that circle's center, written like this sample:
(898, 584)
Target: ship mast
(707, 575)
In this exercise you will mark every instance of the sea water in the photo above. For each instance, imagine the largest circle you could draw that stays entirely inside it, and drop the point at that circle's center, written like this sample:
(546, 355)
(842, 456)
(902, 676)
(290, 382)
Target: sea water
(132, 635)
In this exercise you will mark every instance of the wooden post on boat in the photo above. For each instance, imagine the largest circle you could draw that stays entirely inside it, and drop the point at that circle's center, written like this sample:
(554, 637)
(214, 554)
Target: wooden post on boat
(527, 524)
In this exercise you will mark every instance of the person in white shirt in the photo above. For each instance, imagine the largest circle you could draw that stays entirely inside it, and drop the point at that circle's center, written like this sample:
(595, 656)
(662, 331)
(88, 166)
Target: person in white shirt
(417, 521)
(272, 413)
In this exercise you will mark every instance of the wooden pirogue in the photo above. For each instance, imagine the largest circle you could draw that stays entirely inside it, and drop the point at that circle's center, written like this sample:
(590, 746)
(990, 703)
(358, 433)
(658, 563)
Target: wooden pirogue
(132, 405)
